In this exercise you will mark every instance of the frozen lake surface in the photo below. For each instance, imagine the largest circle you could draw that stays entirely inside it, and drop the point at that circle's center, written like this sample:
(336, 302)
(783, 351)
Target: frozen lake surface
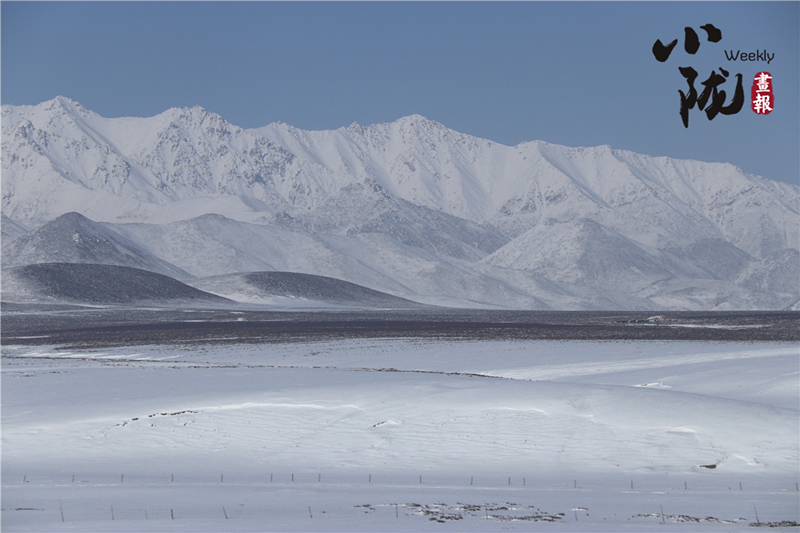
(340, 428)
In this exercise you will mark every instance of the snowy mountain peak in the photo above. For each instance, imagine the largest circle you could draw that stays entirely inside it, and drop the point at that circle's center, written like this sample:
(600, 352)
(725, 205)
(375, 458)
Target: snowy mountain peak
(193, 116)
(63, 106)
(60, 104)
(419, 122)
(55, 114)
(444, 194)
(66, 104)
(416, 129)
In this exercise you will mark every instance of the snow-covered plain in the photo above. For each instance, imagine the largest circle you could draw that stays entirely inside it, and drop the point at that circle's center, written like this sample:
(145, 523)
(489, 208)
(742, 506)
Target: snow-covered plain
(401, 434)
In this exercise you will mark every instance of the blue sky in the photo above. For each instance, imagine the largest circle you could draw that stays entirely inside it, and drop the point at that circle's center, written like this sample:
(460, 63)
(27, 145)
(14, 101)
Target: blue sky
(571, 73)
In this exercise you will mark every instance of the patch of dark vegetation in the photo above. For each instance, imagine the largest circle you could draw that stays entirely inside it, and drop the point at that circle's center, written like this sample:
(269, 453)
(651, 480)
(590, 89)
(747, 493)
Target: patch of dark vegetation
(177, 413)
(467, 507)
(367, 508)
(103, 328)
(506, 512)
(467, 374)
(104, 284)
(171, 414)
(529, 518)
(31, 374)
(495, 507)
(709, 519)
(785, 523)
(435, 512)
(690, 519)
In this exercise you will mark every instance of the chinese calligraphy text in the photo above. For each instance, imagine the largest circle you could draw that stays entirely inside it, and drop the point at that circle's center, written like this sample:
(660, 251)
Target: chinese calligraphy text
(710, 92)
(762, 99)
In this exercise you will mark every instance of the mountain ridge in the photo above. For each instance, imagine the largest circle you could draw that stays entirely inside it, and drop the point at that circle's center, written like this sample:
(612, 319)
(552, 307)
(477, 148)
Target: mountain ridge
(279, 168)
(411, 207)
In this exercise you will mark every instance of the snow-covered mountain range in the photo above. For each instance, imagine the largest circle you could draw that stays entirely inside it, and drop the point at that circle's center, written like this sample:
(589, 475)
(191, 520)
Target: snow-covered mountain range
(410, 208)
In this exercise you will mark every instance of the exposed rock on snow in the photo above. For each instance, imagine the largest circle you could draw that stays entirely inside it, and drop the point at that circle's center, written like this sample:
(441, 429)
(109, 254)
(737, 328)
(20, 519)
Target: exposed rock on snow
(585, 251)
(721, 259)
(777, 273)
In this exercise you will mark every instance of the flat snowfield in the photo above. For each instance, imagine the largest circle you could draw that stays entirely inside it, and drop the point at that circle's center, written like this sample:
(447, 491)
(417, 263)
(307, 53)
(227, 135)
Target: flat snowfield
(398, 434)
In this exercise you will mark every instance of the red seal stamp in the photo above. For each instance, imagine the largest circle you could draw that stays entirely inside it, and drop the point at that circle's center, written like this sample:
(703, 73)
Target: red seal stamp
(762, 99)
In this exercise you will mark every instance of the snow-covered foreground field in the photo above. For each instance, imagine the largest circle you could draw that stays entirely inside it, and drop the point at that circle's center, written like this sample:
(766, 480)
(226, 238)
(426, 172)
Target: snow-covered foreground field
(388, 435)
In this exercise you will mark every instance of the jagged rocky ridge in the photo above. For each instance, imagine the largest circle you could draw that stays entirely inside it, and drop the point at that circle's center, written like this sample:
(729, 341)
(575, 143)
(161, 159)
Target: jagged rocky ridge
(410, 208)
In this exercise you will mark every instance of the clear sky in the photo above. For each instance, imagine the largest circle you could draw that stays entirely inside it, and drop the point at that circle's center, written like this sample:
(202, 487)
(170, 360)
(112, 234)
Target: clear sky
(570, 73)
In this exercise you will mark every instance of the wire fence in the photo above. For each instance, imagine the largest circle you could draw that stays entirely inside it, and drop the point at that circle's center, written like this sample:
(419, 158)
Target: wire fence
(671, 483)
(76, 510)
